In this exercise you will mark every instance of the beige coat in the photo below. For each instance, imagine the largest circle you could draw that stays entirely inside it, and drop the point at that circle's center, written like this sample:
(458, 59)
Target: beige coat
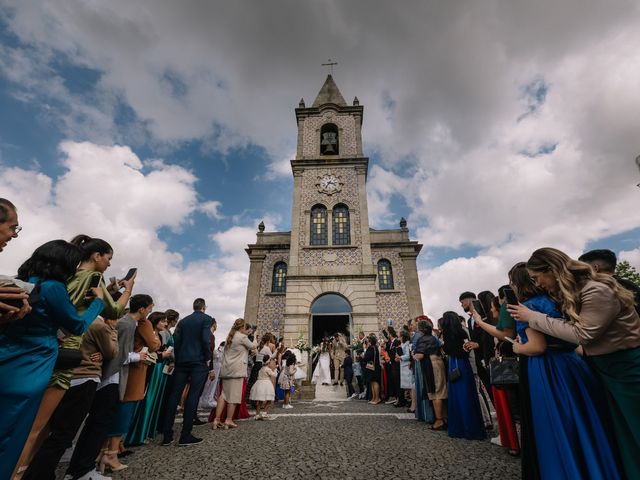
(604, 326)
(236, 356)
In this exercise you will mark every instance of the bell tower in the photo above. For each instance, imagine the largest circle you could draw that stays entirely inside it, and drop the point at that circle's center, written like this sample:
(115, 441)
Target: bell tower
(331, 272)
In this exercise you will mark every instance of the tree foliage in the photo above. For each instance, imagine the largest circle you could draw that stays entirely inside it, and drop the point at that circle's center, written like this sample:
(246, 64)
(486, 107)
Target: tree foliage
(625, 270)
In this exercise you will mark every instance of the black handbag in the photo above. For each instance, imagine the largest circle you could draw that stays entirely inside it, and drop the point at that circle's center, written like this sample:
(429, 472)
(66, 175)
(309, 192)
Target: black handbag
(68, 358)
(455, 374)
(504, 371)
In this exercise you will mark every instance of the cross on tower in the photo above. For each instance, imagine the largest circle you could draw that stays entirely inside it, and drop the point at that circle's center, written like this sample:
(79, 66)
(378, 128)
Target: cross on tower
(330, 64)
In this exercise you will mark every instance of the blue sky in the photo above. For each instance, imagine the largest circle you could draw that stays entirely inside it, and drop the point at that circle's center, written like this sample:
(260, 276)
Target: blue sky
(489, 139)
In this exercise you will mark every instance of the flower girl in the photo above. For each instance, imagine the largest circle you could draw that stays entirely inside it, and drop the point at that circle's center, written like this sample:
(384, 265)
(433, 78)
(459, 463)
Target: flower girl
(263, 391)
(287, 377)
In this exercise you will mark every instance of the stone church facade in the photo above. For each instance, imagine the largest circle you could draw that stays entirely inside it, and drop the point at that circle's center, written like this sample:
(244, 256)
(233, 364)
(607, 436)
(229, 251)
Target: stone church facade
(331, 269)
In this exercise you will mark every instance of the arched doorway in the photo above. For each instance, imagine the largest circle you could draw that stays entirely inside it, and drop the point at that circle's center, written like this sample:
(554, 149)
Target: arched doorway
(330, 314)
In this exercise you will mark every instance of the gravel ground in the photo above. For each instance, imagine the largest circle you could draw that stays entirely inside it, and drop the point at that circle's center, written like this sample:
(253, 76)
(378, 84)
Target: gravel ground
(351, 440)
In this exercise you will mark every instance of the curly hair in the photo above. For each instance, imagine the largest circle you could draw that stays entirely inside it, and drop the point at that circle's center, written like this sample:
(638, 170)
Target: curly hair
(571, 276)
(237, 325)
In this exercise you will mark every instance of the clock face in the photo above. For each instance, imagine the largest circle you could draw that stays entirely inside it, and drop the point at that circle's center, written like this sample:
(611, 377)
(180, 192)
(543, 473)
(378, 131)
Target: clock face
(329, 183)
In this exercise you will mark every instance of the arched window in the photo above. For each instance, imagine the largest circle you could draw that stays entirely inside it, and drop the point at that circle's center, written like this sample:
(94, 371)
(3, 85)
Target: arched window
(341, 227)
(385, 275)
(279, 282)
(318, 225)
(329, 140)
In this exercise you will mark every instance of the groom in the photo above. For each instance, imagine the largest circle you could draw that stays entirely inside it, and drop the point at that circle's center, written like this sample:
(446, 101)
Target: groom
(339, 352)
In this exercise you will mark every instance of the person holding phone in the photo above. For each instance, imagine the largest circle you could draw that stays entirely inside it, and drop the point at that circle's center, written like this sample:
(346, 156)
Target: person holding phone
(96, 259)
(568, 407)
(29, 347)
(601, 317)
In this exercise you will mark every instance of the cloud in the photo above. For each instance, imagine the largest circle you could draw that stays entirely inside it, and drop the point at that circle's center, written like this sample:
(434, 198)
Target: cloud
(104, 193)
(631, 256)
(501, 125)
(211, 209)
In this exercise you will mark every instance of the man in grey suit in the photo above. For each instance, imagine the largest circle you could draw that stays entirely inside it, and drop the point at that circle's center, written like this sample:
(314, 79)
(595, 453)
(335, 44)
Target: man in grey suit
(192, 350)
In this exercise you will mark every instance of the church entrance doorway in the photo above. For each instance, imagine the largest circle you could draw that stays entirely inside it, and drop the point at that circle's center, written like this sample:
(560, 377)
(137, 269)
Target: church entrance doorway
(330, 314)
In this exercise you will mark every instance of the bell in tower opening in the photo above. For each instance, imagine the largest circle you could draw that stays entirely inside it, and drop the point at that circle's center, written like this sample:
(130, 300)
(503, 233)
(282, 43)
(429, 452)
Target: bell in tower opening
(329, 140)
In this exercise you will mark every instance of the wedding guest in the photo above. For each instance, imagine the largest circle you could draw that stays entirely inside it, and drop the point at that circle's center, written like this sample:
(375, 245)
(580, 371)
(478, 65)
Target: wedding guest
(192, 353)
(373, 369)
(423, 346)
(96, 259)
(233, 373)
(29, 347)
(434, 377)
(9, 229)
(263, 390)
(605, 261)
(566, 402)
(393, 367)
(99, 343)
(407, 379)
(136, 340)
(465, 417)
(147, 416)
(347, 370)
(506, 395)
(600, 316)
(286, 380)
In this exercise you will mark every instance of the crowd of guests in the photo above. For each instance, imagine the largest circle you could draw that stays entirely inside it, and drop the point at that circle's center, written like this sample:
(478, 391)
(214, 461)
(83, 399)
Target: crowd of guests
(554, 358)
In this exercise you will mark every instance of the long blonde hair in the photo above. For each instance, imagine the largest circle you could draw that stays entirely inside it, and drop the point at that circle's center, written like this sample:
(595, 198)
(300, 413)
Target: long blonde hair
(237, 325)
(571, 276)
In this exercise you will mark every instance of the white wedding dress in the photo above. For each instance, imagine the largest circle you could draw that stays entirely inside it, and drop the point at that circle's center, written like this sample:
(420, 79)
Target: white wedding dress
(322, 373)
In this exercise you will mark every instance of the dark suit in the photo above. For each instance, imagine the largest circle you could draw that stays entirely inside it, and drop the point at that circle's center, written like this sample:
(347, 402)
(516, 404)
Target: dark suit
(192, 344)
(347, 364)
(484, 352)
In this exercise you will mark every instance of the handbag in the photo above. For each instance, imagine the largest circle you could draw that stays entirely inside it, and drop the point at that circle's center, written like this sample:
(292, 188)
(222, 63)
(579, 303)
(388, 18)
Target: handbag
(370, 366)
(455, 374)
(68, 358)
(504, 371)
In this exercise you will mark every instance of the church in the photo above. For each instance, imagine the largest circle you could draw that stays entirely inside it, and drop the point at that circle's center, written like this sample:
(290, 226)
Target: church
(331, 272)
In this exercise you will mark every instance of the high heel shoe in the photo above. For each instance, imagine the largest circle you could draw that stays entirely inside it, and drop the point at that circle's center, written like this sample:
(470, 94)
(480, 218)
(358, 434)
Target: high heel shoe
(216, 424)
(110, 462)
(227, 426)
(100, 455)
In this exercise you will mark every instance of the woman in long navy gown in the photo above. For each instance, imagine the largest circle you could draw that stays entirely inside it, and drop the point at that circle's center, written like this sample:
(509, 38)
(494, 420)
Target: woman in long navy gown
(567, 404)
(465, 416)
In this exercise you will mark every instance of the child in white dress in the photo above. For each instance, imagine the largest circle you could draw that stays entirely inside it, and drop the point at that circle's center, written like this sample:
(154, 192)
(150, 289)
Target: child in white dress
(263, 391)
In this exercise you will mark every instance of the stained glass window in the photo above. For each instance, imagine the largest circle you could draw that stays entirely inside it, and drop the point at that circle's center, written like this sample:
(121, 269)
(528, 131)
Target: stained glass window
(341, 228)
(385, 275)
(319, 225)
(279, 283)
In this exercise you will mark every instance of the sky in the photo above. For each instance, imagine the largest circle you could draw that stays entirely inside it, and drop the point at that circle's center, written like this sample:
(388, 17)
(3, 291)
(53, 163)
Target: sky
(166, 128)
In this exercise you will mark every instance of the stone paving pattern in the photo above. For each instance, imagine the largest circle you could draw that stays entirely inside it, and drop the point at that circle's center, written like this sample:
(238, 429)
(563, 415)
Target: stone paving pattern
(324, 447)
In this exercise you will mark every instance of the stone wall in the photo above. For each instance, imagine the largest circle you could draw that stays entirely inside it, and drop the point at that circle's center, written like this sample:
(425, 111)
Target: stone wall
(392, 304)
(272, 305)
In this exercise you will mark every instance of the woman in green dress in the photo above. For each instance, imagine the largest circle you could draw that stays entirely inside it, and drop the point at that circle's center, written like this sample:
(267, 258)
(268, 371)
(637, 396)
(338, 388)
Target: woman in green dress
(147, 415)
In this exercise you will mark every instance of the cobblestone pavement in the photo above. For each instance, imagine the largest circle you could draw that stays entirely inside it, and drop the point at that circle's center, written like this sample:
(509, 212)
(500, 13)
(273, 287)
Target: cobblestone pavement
(351, 440)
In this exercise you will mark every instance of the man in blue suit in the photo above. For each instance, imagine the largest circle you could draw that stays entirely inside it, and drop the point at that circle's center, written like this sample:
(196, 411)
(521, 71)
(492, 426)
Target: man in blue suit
(192, 350)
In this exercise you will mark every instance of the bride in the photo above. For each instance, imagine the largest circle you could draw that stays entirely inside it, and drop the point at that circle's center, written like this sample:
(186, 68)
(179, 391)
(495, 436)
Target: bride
(322, 372)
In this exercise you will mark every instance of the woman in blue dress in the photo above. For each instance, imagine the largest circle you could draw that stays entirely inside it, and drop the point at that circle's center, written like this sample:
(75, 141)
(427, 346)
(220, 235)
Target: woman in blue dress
(465, 416)
(567, 404)
(29, 347)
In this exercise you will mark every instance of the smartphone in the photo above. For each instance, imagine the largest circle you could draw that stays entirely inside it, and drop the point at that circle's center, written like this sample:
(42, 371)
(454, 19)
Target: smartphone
(510, 340)
(477, 306)
(511, 297)
(130, 273)
(95, 281)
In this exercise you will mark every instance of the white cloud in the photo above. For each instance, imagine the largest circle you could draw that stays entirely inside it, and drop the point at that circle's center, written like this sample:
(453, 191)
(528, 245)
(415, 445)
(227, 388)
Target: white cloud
(212, 209)
(631, 256)
(445, 99)
(104, 193)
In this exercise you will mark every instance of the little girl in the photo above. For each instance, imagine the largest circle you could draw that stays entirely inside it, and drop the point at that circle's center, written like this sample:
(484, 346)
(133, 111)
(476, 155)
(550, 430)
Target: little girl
(263, 391)
(287, 377)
